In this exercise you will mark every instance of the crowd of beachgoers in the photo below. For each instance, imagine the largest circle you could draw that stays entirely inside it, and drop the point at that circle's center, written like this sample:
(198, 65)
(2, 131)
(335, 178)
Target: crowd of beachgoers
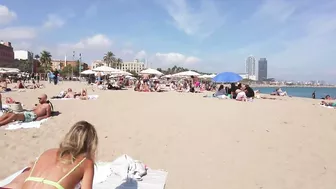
(79, 145)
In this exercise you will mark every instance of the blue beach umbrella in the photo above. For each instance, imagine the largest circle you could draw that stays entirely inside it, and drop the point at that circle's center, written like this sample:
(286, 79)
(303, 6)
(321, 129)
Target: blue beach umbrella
(227, 77)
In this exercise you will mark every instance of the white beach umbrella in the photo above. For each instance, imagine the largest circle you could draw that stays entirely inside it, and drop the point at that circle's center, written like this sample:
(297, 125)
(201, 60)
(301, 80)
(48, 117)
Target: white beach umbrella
(9, 70)
(212, 75)
(151, 71)
(167, 76)
(186, 73)
(88, 72)
(106, 69)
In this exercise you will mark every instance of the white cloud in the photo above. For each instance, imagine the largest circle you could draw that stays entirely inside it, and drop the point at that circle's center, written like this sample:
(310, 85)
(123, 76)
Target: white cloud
(200, 22)
(22, 45)
(6, 15)
(174, 58)
(279, 10)
(91, 47)
(141, 55)
(17, 33)
(54, 21)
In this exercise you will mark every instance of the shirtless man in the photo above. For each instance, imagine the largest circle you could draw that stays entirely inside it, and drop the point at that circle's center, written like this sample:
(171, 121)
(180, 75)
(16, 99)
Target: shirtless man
(41, 111)
(70, 94)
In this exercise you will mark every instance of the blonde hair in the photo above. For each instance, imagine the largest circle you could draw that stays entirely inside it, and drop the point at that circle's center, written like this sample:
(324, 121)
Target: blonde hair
(81, 139)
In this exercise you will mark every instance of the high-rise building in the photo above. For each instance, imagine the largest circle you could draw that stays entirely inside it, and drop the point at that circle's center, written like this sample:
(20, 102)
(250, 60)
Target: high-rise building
(250, 67)
(262, 69)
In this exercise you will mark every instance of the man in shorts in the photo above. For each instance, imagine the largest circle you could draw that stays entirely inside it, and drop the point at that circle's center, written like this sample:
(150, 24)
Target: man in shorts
(39, 112)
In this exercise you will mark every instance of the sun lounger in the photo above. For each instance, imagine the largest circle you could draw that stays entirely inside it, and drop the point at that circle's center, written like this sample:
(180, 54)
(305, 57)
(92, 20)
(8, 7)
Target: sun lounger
(116, 175)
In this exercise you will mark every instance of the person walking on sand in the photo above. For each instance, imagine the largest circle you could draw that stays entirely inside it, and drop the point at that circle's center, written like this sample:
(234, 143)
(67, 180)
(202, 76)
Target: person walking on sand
(41, 111)
(71, 165)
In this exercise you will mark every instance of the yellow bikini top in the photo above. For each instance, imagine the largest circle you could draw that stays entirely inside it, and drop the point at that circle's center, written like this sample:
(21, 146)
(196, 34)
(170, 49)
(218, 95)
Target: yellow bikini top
(49, 182)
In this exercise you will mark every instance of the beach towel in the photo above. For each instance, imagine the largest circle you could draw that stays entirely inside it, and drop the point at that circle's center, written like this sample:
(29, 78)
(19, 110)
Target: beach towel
(90, 97)
(119, 174)
(330, 107)
(24, 125)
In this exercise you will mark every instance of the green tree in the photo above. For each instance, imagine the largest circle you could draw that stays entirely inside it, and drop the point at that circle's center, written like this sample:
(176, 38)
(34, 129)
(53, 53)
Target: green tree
(45, 60)
(119, 61)
(109, 59)
(67, 70)
(24, 65)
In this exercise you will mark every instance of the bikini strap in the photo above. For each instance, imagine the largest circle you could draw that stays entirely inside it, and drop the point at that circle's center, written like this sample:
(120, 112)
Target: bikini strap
(71, 170)
(34, 166)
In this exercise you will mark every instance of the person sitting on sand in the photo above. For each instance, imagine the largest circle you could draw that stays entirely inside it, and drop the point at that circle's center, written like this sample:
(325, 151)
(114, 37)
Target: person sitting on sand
(241, 95)
(327, 97)
(279, 92)
(220, 92)
(70, 94)
(69, 166)
(3, 85)
(19, 85)
(41, 111)
(83, 95)
(249, 92)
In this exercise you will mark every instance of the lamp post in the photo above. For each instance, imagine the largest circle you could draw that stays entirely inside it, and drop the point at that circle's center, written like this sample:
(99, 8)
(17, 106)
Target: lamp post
(32, 59)
(80, 62)
(73, 59)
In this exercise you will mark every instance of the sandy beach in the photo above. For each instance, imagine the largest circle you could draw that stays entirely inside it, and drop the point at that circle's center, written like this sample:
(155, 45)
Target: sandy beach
(201, 142)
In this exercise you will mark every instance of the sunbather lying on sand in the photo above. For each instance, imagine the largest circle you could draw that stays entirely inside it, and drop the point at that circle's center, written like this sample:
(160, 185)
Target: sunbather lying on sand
(41, 111)
(325, 103)
(66, 166)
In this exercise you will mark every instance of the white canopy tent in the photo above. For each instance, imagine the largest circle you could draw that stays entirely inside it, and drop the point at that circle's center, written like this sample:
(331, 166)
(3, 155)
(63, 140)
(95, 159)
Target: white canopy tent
(88, 72)
(106, 69)
(167, 76)
(9, 70)
(151, 71)
(207, 76)
(186, 74)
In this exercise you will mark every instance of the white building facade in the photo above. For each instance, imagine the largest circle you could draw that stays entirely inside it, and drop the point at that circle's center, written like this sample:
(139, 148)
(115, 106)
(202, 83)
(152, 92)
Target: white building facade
(23, 55)
(250, 68)
(133, 66)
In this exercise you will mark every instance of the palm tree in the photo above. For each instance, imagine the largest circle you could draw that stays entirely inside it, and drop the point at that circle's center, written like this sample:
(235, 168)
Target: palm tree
(109, 58)
(119, 61)
(45, 60)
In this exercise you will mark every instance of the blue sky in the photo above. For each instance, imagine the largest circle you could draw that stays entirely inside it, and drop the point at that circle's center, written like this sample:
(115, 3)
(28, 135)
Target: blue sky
(297, 37)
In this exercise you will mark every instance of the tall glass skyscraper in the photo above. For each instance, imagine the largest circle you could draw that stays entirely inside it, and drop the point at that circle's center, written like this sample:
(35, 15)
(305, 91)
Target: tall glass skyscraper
(250, 66)
(262, 69)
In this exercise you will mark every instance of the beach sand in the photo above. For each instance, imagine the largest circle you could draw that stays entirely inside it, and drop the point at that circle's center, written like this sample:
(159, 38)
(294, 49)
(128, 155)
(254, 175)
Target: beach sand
(201, 142)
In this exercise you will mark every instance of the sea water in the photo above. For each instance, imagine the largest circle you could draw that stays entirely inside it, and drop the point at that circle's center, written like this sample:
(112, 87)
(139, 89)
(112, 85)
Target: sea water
(306, 92)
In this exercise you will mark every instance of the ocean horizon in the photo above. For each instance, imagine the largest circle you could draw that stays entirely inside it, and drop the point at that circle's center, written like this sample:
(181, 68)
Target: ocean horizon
(305, 92)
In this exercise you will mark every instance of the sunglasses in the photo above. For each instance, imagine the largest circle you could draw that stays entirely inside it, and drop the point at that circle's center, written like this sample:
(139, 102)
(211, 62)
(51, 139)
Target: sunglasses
(39, 98)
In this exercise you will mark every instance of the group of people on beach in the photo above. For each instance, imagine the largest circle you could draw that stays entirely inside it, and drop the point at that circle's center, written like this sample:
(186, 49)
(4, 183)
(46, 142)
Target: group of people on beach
(82, 95)
(240, 92)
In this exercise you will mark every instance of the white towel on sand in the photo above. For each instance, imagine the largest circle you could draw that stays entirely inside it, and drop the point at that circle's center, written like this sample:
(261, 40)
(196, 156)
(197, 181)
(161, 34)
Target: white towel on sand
(90, 97)
(9, 179)
(24, 125)
(111, 175)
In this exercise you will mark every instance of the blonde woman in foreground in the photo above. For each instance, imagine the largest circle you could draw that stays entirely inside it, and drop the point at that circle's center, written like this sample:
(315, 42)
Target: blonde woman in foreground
(67, 166)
